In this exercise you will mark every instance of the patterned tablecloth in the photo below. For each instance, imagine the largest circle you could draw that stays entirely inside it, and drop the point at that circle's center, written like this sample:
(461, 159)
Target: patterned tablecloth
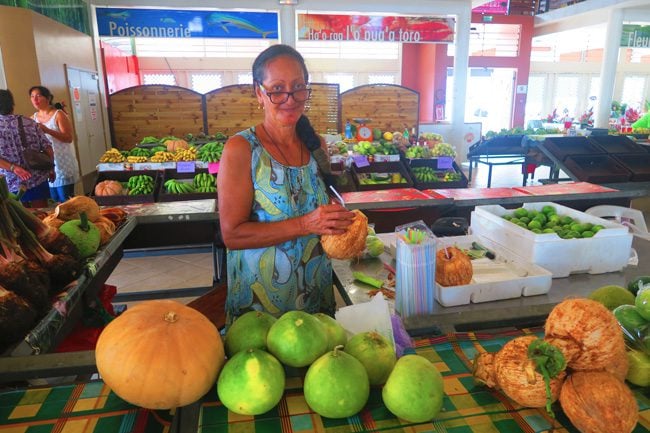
(467, 407)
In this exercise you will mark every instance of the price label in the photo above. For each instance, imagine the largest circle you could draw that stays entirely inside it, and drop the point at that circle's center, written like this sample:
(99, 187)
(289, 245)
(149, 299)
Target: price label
(213, 167)
(445, 162)
(185, 167)
(360, 161)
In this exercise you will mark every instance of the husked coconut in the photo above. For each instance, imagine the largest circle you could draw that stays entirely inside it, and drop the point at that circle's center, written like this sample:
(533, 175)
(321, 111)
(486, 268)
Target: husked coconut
(350, 244)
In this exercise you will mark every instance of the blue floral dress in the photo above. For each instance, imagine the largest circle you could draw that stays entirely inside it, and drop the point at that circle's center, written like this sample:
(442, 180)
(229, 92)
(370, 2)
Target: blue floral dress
(296, 274)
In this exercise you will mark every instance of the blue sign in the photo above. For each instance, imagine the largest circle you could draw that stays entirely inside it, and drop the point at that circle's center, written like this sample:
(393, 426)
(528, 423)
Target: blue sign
(164, 23)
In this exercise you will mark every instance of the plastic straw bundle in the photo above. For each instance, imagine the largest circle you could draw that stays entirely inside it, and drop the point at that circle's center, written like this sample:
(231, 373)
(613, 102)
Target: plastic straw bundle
(415, 270)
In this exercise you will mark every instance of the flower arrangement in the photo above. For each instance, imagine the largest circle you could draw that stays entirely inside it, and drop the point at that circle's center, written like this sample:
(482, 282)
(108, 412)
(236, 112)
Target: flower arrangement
(632, 115)
(587, 118)
(553, 117)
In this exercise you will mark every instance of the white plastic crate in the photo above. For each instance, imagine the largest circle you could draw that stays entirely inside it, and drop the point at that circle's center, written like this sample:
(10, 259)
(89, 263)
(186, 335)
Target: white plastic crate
(608, 251)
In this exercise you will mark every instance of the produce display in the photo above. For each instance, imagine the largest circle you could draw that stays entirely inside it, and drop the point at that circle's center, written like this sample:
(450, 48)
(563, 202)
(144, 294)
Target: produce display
(380, 178)
(429, 174)
(548, 221)
(140, 184)
(202, 183)
(39, 258)
(350, 244)
(581, 361)
(382, 147)
(211, 151)
(339, 371)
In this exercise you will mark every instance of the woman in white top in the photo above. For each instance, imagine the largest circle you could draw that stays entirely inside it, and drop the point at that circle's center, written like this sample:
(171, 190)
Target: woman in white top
(57, 127)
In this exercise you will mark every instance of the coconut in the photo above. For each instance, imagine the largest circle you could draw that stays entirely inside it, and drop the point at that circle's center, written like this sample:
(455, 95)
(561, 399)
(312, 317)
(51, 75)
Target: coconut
(597, 402)
(350, 244)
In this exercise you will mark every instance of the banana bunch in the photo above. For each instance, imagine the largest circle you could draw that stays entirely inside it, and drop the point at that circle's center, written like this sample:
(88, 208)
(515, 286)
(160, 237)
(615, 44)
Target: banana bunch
(211, 151)
(112, 155)
(162, 156)
(140, 184)
(139, 151)
(133, 158)
(425, 174)
(175, 186)
(205, 182)
(185, 154)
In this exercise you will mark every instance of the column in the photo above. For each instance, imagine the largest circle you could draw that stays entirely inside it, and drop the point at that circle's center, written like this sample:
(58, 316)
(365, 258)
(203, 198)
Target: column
(608, 67)
(461, 68)
(288, 25)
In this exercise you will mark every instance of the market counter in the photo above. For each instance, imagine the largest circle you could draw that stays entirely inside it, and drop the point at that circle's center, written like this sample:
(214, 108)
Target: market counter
(522, 311)
(467, 406)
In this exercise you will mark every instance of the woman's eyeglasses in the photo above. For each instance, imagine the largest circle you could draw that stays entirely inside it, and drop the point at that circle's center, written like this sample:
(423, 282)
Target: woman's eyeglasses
(300, 95)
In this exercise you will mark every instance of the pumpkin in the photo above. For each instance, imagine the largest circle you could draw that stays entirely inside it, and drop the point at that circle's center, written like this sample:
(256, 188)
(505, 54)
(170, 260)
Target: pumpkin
(174, 145)
(109, 187)
(453, 267)
(72, 208)
(160, 354)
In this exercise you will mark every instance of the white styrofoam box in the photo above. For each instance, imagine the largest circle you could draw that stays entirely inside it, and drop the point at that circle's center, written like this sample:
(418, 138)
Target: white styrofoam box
(504, 277)
(386, 158)
(110, 166)
(608, 251)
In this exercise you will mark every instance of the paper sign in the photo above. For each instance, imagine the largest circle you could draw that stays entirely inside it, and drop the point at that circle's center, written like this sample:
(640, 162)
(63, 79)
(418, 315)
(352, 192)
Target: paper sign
(185, 167)
(213, 167)
(445, 162)
(360, 161)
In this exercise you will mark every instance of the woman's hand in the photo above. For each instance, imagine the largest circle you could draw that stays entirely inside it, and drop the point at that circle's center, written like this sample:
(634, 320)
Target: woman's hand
(329, 219)
(22, 173)
(52, 176)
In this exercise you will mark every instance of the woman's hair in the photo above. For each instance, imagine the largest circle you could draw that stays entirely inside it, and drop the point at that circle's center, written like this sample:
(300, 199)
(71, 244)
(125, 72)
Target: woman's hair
(6, 102)
(303, 128)
(44, 91)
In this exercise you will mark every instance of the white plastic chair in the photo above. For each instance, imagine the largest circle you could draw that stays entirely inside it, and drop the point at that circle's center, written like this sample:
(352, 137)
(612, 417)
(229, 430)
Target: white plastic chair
(628, 217)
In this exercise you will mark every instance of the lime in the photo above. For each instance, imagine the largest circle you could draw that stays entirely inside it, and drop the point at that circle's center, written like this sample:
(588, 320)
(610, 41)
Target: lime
(566, 220)
(520, 212)
(506, 217)
(532, 214)
(639, 372)
(514, 220)
(587, 234)
(557, 229)
(629, 318)
(548, 209)
(548, 230)
(524, 220)
(554, 217)
(522, 224)
(577, 227)
(596, 228)
(541, 218)
(550, 224)
(537, 231)
(612, 296)
(571, 234)
(534, 224)
(642, 303)
(588, 226)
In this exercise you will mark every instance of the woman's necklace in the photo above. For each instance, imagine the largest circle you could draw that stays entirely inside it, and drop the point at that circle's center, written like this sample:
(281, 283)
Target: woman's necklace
(294, 186)
(286, 160)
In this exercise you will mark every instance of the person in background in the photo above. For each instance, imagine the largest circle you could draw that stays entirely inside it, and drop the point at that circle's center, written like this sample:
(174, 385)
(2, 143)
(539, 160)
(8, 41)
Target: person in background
(56, 125)
(12, 162)
(273, 203)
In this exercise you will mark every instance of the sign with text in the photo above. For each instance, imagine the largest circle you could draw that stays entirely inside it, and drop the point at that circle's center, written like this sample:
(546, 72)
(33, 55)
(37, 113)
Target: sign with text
(635, 36)
(170, 23)
(497, 7)
(185, 167)
(322, 27)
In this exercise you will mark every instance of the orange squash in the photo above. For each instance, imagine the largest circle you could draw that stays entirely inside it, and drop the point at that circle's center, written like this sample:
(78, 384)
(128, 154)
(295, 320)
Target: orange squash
(160, 354)
(174, 145)
(109, 187)
(453, 267)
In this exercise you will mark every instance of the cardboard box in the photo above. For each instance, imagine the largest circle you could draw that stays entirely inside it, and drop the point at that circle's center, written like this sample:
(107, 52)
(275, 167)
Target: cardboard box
(433, 163)
(381, 167)
(607, 251)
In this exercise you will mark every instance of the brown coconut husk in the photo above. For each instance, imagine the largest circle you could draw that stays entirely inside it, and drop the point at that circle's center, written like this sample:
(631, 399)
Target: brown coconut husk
(350, 244)
(597, 402)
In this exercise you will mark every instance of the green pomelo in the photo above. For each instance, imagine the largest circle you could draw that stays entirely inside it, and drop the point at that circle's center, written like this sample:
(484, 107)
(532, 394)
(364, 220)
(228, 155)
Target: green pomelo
(642, 303)
(414, 390)
(248, 331)
(639, 371)
(629, 318)
(251, 382)
(612, 296)
(376, 354)
(297, 338)
(336, 335)
(336, 385)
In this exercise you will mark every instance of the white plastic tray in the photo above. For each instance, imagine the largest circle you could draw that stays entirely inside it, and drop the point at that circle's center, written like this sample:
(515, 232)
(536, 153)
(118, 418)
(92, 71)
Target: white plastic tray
(609, 250)
(504, 277)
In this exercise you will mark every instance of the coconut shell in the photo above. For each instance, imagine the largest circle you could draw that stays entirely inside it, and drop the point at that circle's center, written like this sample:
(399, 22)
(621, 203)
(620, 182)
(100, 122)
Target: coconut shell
(517, 377)
(586, 332)
(52, 221)
(453, 267)
(597, 402)
(350, 244)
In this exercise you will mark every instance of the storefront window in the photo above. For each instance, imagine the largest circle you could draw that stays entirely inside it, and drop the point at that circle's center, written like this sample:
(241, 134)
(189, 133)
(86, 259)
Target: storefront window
(204, 83)
(168, 79)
